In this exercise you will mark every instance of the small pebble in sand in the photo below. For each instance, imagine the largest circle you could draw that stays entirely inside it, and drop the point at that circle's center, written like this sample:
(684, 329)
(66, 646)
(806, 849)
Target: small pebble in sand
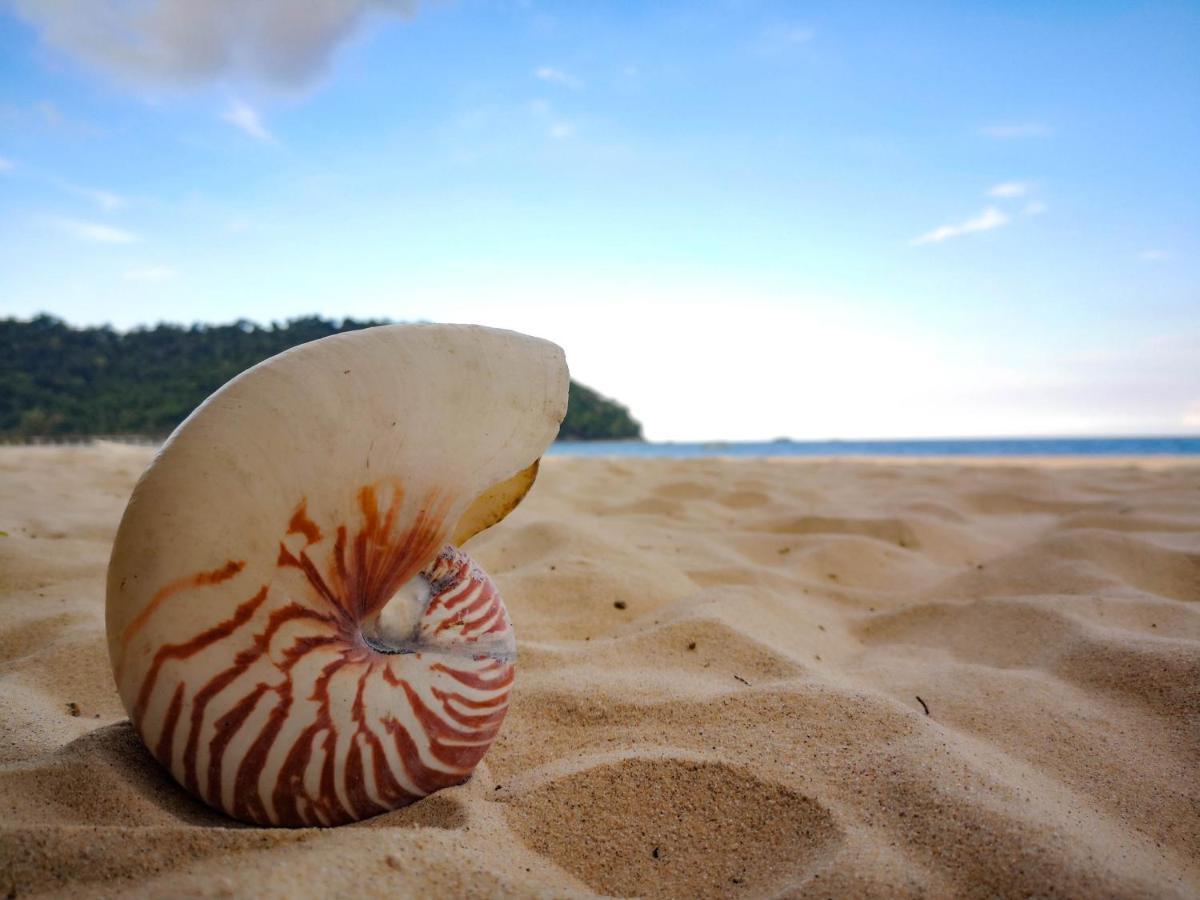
(73, 708)
(619, 604)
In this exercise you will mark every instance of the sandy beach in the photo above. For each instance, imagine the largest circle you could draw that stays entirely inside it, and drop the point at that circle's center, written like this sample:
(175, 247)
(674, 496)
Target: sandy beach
(822, 678)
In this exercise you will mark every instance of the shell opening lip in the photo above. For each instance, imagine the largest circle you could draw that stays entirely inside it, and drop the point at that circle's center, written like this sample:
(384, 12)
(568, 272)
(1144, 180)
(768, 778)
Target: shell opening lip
(389, 649)
(375, 643)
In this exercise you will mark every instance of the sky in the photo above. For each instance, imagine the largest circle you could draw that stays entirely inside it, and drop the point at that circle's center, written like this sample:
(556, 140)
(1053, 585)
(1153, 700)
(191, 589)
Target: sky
(743, 220)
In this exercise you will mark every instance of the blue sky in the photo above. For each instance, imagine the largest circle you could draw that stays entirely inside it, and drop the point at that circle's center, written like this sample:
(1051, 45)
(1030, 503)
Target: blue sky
(742, 219)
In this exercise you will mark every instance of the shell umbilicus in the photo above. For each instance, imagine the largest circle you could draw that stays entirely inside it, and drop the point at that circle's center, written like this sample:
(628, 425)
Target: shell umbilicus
(293, 630)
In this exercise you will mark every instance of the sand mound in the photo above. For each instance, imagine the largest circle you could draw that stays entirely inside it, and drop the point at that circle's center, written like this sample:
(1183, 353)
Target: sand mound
(817, 678)
(711, 831)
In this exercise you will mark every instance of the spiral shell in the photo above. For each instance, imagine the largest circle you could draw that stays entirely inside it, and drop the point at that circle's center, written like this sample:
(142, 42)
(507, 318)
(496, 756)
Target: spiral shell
(293, 630)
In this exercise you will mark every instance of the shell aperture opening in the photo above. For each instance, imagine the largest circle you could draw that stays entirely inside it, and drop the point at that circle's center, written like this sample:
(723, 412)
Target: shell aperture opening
(395, 628)
(301, 644)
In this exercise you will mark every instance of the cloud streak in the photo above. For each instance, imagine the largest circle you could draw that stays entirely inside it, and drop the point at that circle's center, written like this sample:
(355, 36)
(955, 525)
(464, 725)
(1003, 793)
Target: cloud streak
(987, 220)
(282, 42)
(105, 200)
(244, 116)
(94, 232)
(1009, 189)
(557, 76)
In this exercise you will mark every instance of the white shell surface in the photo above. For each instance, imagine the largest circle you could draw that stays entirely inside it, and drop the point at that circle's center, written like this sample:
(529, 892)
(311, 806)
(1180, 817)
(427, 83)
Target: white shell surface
(275, 524)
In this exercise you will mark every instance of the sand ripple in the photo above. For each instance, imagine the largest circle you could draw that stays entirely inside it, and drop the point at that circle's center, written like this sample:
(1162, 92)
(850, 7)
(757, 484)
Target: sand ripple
(723, 688)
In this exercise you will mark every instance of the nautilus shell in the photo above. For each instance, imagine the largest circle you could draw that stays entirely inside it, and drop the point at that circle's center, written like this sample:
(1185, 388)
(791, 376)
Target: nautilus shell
(293, 629)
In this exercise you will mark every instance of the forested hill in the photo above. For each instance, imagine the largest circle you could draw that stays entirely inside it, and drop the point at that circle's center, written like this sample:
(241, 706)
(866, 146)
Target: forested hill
(56, 380)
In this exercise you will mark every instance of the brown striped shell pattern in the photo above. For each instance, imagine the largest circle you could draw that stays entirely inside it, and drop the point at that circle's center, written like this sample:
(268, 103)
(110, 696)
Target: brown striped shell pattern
(293, 629)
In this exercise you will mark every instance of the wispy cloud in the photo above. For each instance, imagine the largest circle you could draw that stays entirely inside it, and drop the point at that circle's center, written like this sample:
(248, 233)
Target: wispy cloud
(6, 164)
(557, 76)
(987, 220)
(1009, 189)
(245, 117)
(150, 273)
(1154, 255)
(556, 126)
(1015, 190)
(93, 231)
(1005, 131)
(43, 116)
(106, 200)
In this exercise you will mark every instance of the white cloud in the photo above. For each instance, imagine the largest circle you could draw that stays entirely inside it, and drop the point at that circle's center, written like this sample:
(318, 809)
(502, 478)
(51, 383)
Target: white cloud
(1009, 189)
(150, 273)
(987, 220)
(245, 117)
(106, 200)
(1013, 130)
(557, 128)
(283, 42)
(1034, 208)
(94, 232)
(557, 76)
(6, 165)
(1154, 255)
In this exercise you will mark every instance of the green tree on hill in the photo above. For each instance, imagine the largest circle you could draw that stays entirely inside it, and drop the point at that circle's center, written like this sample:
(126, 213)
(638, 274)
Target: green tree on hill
(56, 380)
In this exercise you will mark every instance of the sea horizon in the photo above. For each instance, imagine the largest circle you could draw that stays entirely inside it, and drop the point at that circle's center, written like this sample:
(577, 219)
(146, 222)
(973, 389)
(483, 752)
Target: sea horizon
(1150, 445)
(1145, 445)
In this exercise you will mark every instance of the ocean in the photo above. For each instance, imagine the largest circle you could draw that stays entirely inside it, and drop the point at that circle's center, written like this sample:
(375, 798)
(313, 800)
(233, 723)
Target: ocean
(1091, 446)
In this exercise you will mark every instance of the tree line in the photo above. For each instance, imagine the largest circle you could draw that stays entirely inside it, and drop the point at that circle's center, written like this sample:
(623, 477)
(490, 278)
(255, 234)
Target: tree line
(57, 380)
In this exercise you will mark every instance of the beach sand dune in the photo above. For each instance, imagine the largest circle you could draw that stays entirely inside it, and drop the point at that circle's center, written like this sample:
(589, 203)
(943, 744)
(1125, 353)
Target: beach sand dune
(737, 678)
